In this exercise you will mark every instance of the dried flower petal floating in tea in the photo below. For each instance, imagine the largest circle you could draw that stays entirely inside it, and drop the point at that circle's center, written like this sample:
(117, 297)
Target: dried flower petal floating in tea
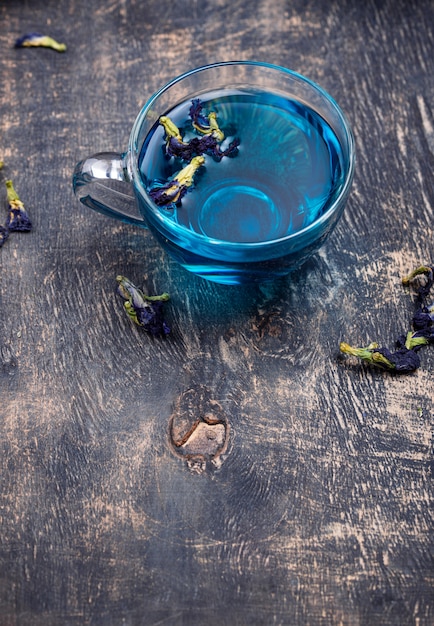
(196, 146)
(173, 191)
(205, 124)
(169, 194)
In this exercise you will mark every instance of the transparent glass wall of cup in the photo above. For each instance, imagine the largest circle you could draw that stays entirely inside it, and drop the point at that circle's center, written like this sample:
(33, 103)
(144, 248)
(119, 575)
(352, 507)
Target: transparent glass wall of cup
(103, 181)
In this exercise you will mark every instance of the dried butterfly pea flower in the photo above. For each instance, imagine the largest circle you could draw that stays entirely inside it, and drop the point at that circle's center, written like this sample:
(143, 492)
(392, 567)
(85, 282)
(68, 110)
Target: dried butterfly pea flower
(405, 359)
(209, 145)
(216, 151)
(205, 124)
(196, 146)
(423, 323)
(170, 128)
(170, 193)
(184, 150)
(175, 146)
(423, 319)
(18, 219)
(427, 270)
(145, 311)
(36, 40)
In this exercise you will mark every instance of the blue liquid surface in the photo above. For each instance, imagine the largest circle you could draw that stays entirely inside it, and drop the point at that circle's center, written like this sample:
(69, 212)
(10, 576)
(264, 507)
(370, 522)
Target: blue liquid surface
(286, 174)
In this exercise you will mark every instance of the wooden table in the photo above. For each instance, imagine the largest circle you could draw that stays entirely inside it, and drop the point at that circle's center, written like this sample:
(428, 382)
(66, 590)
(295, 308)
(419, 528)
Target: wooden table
(304, 496)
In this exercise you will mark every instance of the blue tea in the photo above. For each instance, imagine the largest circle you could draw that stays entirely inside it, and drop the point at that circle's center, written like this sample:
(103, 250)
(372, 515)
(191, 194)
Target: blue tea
(284, 175)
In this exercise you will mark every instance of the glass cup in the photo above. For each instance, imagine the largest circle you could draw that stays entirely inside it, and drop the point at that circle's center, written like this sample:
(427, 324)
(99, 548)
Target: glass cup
(246, 180)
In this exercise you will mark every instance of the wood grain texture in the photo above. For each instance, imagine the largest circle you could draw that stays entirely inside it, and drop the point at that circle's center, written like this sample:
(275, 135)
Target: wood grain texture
(319, 510)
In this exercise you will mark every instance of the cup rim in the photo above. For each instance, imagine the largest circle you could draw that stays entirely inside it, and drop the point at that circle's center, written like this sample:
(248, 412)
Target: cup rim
(174, 227)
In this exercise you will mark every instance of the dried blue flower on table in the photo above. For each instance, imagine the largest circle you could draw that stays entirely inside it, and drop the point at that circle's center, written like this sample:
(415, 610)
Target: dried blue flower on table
(423, 319)
(4, 234)
(424, 289)
(402, 361)
(171, 193)
(36, 40)
(423, 323)
(18, 219)
(405, 359)
(145, 311)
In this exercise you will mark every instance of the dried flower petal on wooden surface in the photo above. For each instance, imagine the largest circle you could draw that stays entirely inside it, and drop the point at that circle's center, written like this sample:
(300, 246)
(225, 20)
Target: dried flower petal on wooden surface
(36, 40)
(405, 359)
(145, 311)
(18, 218)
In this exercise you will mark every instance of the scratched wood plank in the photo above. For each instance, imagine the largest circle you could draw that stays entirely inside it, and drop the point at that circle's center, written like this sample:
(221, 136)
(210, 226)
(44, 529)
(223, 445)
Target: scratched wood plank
(239, 471)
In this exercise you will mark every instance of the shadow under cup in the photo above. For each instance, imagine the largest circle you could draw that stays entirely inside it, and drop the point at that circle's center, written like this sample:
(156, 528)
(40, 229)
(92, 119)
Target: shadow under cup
(264, 209)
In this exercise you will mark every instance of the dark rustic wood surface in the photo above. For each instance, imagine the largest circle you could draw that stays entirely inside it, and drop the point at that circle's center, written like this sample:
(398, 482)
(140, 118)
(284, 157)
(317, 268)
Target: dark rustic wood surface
(239, 471)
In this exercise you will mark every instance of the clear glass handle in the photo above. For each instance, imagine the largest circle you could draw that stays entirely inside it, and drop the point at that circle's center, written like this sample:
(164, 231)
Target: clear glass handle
(102, 183)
